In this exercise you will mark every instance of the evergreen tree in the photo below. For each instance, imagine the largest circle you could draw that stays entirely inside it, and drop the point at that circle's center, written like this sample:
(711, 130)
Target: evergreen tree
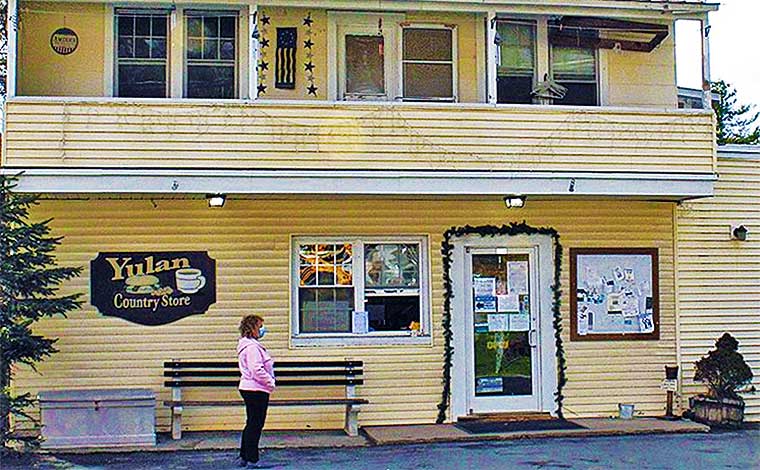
(29, 291)
(734, 124)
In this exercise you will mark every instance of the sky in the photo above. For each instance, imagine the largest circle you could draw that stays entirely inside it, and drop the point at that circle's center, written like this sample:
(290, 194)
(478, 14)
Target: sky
(734, 49)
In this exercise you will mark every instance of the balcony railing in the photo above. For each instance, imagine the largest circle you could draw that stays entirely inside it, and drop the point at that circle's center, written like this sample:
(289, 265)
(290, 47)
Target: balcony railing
(111, 133)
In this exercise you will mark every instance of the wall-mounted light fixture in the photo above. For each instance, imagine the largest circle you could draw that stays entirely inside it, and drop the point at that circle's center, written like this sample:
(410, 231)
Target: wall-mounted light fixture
(739, 232)
(514, 201)
(216, 200)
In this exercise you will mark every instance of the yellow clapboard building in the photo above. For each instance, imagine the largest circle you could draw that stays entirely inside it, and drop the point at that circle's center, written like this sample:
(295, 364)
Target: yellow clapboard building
(496, 205)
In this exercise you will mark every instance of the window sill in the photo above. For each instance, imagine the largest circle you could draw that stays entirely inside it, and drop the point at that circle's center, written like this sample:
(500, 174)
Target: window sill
(386, 339)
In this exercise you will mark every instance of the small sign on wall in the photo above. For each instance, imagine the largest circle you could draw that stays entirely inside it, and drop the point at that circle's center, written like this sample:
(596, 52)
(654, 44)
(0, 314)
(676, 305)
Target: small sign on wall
(64, 41)
(153, 288)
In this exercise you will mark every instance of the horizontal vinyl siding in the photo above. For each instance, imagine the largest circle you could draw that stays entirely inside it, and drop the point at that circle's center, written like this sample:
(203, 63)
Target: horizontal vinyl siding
(719, 279)
(355, 136)
(250, 240)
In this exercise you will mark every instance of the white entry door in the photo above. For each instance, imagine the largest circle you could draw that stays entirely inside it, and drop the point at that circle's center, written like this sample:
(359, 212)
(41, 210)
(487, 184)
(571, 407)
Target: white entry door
(502, 329)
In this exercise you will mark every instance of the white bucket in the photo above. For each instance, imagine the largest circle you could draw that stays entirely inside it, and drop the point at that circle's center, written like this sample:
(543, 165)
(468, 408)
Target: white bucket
(625, 411)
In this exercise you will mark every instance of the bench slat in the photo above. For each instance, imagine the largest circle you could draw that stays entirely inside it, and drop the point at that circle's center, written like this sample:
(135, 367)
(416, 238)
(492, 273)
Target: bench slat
(280, 383)
(311, 402)
(280, 364)
(278, 373)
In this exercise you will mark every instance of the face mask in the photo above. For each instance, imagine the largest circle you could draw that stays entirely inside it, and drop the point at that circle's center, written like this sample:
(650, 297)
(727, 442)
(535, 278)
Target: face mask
(262, 331)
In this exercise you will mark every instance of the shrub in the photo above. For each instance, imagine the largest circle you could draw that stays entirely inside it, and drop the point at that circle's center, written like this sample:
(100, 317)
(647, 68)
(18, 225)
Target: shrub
(723, 369)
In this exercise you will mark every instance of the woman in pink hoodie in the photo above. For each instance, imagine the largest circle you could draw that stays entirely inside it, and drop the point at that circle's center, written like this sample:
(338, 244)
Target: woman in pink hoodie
(256, 383)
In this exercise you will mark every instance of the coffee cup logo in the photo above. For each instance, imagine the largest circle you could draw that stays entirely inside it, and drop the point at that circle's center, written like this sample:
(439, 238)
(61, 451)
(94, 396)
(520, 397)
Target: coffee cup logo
(189, 280)
(64, 41)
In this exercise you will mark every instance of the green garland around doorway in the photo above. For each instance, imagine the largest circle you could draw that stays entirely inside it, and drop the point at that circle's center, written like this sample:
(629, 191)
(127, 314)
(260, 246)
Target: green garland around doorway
(447, 249)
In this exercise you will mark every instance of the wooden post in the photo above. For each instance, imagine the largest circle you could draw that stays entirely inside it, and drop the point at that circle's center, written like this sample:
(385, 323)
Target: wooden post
(352, 412)
(176, 413)
(11, 25)
(492, 57)
(253, 53)
(706, 83)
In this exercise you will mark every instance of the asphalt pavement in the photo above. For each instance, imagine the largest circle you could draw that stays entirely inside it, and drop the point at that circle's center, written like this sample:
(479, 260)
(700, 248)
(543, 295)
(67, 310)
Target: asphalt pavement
(717, 450)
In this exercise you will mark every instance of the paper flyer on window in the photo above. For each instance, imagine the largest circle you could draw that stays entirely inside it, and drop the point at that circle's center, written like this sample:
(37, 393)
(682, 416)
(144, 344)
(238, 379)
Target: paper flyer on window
(517, 277)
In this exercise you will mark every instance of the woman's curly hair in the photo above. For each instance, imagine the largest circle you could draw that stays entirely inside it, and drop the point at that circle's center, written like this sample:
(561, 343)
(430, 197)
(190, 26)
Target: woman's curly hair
(248, 324)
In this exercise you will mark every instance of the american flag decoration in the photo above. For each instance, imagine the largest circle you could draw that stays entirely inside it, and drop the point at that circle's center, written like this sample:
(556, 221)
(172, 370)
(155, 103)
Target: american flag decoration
(285, 58)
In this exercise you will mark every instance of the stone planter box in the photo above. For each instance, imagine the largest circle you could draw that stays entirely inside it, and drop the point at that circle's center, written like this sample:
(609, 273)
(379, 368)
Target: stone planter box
(98, 418)
(726, 412)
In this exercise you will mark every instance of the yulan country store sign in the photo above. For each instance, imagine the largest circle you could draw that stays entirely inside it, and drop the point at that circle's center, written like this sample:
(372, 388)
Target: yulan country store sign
(153, 288)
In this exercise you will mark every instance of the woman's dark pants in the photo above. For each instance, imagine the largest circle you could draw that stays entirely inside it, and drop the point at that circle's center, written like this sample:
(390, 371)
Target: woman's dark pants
(256, 404)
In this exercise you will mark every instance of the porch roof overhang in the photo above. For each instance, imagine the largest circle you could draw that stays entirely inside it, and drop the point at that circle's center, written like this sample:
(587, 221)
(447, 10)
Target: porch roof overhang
(397, 183)
(616, 8)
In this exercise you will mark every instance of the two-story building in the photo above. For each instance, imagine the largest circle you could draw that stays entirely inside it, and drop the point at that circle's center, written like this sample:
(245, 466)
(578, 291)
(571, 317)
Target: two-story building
(369, 158)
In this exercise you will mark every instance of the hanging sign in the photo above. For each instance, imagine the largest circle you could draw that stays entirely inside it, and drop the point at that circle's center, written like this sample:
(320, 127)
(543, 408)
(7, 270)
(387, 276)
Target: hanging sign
(153, 288)
(64, 41)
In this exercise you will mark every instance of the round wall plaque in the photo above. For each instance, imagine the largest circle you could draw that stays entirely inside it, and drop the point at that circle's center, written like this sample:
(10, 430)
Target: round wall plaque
(64, 41)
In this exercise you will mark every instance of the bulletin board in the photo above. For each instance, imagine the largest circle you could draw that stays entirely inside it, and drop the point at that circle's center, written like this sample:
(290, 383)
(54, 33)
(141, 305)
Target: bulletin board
(614, 294)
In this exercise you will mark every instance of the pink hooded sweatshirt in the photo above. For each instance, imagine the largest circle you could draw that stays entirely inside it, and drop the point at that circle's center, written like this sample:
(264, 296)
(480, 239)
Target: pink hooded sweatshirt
(256, 366)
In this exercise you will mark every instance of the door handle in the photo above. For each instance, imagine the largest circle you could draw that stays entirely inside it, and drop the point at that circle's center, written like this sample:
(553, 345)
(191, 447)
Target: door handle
(532, 336)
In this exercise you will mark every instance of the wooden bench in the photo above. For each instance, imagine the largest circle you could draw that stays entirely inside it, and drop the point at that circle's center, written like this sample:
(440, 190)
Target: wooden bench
(197, 373)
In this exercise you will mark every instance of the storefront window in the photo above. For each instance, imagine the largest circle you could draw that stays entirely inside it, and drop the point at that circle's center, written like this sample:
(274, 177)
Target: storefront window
(326, 293)
(360, 288)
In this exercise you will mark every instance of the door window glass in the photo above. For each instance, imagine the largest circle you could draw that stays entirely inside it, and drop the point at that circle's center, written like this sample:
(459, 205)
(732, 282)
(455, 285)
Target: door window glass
(501, 325)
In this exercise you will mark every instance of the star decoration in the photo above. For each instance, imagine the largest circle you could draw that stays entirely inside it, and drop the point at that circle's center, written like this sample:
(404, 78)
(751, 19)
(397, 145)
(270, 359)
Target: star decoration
(312, 89)
(264, 65)
(264, 43)
(264, 19)
(308, 21)
(309, 66)
(261, 89)
(308, 43)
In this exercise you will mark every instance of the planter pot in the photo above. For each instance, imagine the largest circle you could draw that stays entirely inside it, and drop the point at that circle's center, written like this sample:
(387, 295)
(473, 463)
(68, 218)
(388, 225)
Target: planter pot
(722, 413)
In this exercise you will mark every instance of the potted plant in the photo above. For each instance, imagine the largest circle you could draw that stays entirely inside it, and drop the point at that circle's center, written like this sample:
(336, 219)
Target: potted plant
(725, 373)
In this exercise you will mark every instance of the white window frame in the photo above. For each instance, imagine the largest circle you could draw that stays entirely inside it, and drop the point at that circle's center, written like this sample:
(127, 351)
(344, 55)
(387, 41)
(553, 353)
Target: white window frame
(191, 12)
(423, 337)
(340, 24)
(115, 13)
(454, 61)
(540, 50)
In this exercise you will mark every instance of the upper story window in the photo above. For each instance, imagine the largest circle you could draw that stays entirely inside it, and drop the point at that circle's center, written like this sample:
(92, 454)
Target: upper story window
(210, 54)
(380, 57)
(573, 63)
(428, 64)
(575, 69)
(359, 290)
(523, 53)
(517, 62)
(365, 66)
(141, 59)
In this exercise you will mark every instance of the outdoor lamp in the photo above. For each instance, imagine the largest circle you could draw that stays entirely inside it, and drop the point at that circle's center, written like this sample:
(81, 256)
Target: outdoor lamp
(514, 201)
(216, 200)
(740, 233)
